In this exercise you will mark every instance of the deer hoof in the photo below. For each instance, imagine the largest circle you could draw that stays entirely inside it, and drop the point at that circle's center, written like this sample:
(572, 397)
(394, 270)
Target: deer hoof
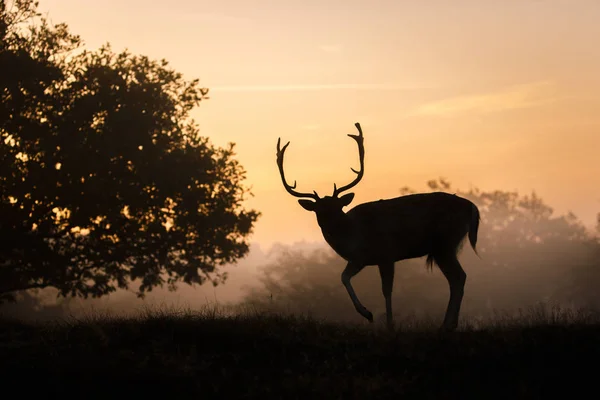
(365, 313)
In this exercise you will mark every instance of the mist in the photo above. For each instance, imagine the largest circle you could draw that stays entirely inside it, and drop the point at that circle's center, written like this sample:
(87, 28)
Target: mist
(529, 257)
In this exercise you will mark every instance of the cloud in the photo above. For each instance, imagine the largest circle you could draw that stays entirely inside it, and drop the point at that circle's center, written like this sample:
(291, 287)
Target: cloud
(316, 87)
(331, 48)
(515, 97)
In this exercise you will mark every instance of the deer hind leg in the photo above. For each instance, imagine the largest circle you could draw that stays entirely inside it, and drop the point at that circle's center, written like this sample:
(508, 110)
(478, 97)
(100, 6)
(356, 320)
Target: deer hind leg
(351, 270)
(387, 283)
(456, 277)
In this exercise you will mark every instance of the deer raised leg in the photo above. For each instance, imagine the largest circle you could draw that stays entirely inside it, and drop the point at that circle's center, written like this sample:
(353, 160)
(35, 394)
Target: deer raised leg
(351, 270)
(387, 283)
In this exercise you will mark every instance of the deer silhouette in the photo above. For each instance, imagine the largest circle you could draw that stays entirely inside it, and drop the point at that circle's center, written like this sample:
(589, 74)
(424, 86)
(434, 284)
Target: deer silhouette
(386, 231)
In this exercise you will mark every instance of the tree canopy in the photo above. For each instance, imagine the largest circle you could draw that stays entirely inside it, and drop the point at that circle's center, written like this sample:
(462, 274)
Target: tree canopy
(105, 178)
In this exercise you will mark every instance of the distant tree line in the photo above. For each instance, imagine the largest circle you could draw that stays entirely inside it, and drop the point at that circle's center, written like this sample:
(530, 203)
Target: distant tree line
(105, 178)
(528, 256)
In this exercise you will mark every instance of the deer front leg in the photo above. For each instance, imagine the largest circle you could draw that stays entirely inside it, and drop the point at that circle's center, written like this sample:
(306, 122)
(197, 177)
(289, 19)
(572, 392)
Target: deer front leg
(387, 283)
(351, 270)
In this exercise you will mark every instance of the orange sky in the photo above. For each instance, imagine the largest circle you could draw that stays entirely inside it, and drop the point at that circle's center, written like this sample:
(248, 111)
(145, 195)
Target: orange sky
(494, 94)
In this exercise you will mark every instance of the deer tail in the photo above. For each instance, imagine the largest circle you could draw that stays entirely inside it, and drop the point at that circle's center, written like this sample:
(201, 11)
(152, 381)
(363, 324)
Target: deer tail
(474, 227)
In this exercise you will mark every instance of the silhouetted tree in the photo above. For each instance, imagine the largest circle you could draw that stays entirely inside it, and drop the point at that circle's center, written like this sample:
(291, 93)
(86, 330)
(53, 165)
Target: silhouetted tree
(105, 177)
(528, 255)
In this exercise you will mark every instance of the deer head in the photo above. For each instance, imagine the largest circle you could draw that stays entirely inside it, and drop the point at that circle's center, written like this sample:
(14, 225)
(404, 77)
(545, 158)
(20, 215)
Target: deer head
(327, 207)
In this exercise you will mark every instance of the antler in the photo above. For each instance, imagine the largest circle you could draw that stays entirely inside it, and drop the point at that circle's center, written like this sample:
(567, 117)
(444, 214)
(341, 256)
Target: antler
(290, 189)
(361, 155)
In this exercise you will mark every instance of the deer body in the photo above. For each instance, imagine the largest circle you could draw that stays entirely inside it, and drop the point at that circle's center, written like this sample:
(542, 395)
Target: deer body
(386, 231)
(397, 229)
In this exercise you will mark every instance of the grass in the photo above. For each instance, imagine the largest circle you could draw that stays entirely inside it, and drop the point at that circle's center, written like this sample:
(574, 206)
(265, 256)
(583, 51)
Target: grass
(219, 354)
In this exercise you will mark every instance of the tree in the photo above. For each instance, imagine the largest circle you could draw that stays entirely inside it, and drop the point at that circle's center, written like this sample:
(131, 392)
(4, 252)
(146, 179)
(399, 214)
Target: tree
(105, 177)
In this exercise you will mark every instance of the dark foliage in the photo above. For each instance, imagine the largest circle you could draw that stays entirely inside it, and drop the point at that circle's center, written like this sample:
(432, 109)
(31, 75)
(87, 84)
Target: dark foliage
(105, 177)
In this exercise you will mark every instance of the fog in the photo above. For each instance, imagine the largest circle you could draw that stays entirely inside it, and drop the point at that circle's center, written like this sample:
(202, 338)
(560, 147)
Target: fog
(527, 256)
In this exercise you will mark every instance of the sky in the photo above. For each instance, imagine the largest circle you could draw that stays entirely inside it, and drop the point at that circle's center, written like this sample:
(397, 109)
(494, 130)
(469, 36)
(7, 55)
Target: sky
(490, 94)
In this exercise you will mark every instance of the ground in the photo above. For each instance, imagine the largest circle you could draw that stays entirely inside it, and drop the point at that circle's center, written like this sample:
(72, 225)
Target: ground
(251, 355)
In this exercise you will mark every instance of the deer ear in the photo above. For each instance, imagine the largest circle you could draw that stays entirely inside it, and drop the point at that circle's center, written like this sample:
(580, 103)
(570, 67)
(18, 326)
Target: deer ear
(308, 205)
(346, 199)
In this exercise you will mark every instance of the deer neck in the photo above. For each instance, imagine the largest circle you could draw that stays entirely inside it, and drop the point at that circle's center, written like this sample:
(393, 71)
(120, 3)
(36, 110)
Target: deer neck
(336, 229)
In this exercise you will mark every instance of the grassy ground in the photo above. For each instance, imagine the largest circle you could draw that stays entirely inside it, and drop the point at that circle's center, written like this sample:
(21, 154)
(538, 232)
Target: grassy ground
(186, 355)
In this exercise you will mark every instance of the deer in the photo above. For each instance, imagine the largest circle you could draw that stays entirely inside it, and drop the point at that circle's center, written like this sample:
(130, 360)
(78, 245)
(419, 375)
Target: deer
(386, 231)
